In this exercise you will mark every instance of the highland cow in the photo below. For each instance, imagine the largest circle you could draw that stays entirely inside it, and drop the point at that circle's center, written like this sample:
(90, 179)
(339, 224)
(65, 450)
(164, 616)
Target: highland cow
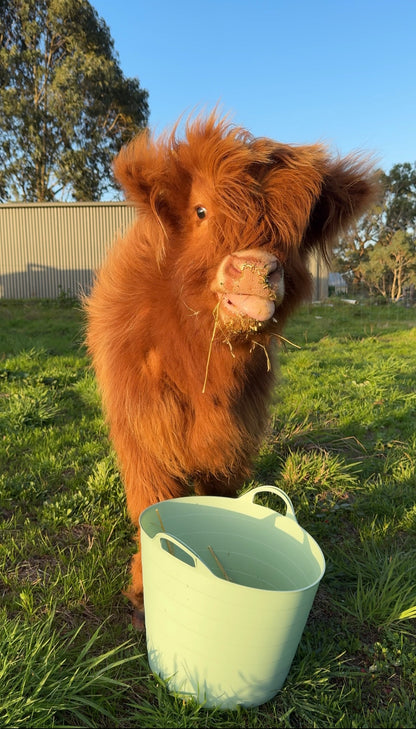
(186, 309)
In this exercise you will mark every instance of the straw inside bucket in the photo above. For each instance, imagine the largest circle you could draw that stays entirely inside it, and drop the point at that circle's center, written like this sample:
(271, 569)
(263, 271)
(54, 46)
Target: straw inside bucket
(275, 555)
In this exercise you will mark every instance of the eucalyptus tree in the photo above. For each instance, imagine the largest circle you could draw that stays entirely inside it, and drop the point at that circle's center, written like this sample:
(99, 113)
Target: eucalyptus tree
(65, 105)
(380, 251)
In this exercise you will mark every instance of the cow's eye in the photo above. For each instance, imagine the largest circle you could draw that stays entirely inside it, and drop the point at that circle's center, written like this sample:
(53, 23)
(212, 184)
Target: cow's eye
(201, 212)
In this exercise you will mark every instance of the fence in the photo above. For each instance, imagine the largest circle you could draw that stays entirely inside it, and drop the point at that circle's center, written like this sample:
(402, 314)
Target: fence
(48, 249)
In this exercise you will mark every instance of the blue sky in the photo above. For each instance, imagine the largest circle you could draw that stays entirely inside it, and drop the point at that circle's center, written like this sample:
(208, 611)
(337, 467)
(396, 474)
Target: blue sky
(300, 71)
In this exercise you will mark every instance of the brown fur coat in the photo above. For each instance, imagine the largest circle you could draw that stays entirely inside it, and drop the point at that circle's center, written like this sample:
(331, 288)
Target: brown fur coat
(186, 308)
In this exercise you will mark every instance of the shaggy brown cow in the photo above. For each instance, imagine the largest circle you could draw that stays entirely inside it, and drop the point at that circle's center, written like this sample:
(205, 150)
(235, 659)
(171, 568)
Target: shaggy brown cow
(185, 311)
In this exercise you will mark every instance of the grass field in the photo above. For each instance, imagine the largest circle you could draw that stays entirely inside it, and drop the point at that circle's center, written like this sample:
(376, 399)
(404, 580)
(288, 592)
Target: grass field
(342, 443)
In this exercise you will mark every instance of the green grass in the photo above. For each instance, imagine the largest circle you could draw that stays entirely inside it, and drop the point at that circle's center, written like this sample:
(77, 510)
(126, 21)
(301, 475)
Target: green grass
(342, 443)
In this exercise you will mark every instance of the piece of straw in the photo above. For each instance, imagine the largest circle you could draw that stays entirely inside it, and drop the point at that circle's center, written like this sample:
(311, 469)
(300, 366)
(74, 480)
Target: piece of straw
(170, 547)
(215, 315)
(287, 341)
(219, 564)
(265, 352)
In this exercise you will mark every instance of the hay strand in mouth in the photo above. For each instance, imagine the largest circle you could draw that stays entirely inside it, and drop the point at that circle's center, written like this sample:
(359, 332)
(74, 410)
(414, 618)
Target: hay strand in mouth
(279, 336)
(215, 314)
(253, 327)
(269, 366)
(287, 341)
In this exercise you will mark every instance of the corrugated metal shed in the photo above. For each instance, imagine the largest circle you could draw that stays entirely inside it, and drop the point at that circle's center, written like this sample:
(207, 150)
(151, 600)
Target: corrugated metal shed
(51, 248)
(319, 271)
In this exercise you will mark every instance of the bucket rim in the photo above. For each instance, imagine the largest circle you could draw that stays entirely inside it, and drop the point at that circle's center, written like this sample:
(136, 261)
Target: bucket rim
(233, 585)
(198, 560)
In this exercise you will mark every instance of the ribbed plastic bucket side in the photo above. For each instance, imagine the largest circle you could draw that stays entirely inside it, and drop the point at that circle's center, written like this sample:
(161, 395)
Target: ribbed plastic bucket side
(220, 643)
(224, 643)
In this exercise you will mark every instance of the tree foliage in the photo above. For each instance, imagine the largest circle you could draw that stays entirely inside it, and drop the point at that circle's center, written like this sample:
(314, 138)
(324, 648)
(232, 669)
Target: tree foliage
(65, 105)
(380, 252)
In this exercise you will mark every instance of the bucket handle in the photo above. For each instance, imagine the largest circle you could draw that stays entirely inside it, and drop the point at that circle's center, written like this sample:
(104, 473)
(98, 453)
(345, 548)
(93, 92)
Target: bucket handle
(170, 539)
(249, 496)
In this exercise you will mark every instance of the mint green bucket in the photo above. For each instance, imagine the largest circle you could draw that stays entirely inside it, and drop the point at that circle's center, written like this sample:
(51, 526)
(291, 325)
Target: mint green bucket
(228, 587)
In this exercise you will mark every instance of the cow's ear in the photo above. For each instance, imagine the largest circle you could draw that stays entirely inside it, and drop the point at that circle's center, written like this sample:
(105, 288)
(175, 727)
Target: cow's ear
(141, 168)
(349, 186)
